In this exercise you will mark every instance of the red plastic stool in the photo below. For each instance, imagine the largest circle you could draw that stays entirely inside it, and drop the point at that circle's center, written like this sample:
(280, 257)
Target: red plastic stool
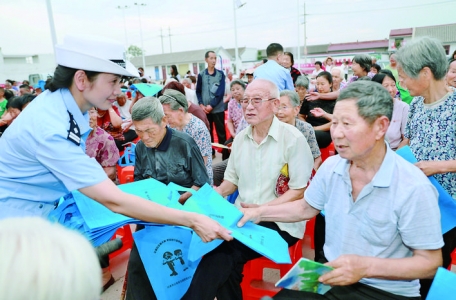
(253, 286)
(126, 174)
(124, 233)
(327, 152)
(453, 260)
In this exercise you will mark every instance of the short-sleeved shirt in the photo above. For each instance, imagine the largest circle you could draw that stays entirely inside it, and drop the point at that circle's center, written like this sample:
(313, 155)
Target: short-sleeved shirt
(254, 168)
(274, 72)
(101, 146)
(106, 124)
(39, 162)
(235, 113)
(177, 159)
(397, 125)
(198, 131)
(395, 213)
(309, 133)
(431, 129)
(307, 106)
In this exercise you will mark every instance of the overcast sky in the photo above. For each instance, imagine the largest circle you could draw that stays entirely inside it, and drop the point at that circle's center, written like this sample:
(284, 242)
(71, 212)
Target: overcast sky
(200, 24)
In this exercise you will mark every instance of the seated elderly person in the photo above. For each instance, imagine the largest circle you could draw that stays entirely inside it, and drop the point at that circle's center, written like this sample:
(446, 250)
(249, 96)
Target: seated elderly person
(175, 106)
(101, 146)
(383, 228)
(27, 243)
(123, 106)
(166, 155)
(287, 112)
(257, 157)
(431, 121)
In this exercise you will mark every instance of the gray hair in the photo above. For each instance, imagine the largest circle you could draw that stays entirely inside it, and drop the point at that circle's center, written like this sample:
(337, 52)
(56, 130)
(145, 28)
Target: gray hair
(238, 82)
(148, 107)
(364, 61)
(302, 81)
(420, 53)
(292, 96)
(340, 71)
(175, 99)
(188, 80)
(372, 100)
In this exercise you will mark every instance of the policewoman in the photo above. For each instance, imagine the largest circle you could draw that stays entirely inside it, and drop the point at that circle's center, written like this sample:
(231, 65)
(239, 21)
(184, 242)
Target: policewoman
(42, 153)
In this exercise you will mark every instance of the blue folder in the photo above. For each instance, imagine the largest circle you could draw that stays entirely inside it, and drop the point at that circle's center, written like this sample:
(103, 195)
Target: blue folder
(446, 203)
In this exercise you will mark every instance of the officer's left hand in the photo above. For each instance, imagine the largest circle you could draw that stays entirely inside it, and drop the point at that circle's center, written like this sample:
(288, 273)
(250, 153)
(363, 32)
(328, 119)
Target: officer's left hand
(348, 269)
(208, 108)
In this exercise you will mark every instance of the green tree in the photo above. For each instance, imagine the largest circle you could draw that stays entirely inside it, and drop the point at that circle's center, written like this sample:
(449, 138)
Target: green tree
(134, 51)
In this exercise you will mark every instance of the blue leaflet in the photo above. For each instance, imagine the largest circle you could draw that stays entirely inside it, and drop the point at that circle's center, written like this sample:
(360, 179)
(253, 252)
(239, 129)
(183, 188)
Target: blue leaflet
(164, 253)
(265, 241)
(447, 204)
(443, 286)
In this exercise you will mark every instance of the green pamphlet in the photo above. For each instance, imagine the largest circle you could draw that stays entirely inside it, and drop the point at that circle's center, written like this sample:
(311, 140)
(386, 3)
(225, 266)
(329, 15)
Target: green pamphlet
(304, 277)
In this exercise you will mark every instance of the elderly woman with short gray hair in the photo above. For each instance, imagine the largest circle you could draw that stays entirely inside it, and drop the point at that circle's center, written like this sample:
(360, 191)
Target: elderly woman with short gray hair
(422, 66)
(287, 112)
(175, 107)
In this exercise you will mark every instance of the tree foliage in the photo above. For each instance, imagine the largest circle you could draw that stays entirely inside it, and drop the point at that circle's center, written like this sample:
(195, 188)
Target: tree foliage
(134, 51)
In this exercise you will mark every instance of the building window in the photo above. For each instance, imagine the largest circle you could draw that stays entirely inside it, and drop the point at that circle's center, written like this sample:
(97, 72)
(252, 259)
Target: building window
(447, 49)
(29, 60)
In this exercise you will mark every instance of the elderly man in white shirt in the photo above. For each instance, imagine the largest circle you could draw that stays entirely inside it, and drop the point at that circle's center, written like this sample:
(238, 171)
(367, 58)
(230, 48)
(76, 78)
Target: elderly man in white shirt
(258, 154)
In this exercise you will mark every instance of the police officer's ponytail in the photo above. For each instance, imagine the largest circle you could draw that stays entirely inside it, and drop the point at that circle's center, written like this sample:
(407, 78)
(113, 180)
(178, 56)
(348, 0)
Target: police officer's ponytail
(63, 78)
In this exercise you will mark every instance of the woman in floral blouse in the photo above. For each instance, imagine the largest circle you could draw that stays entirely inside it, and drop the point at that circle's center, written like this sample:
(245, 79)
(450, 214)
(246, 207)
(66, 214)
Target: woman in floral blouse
(176, 110)
(101, 146)
(235, 114)
(111, 122)
(431, 126)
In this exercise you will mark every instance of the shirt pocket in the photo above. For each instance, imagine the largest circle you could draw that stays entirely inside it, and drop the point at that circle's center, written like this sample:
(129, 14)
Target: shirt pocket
(177, 171)
(378, 231)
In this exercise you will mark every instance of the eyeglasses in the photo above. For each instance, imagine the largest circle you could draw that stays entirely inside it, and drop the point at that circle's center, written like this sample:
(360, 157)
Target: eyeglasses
(254, 101)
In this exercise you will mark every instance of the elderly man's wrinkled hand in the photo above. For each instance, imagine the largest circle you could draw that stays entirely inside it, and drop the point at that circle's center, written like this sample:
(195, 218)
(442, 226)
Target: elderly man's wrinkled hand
(348, 269)
(209, 230)
(312, 96)
(252, 212)
(183, 198)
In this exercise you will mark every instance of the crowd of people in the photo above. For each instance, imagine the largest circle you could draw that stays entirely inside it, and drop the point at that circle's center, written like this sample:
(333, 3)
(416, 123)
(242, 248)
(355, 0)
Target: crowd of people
(381, 227)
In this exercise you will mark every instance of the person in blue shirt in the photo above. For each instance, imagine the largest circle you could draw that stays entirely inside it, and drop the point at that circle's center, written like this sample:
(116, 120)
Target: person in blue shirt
(42, 154)
(273, 71)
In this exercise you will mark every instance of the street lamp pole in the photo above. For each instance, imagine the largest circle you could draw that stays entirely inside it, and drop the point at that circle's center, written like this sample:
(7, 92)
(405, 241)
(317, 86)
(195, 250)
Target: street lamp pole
(51, 24)
(236, 5)
(122, 8)
(141, 36)
(305, 34)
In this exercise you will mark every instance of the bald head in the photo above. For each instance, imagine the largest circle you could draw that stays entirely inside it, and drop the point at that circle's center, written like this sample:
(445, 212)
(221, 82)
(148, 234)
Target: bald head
(263, 97)
(266, 85)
